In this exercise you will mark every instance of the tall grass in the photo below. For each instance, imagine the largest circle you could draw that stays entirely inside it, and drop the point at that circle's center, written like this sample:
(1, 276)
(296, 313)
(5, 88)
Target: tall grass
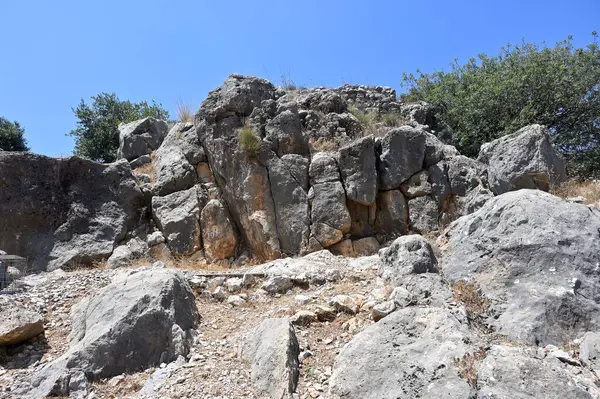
(184, 112)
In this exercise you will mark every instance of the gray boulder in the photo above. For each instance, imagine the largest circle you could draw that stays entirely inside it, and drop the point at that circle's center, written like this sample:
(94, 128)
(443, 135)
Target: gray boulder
(417, 186)
(184, 137)
(124, 254)
(285, 132)
(140, 137)
(18, 323)
(298, 166)
(464, 174)
(513, 372)
(329, 207)
(402, 152)
(150, 323)
(323, 169)
(534, 257)
(65, 211)
(173, 170)
(357, 165)
(273, 351)
(218, 234)
(407, 255)
(524, 159)
(424, 214)
(177, 215)
(410, 353)
(291, 204)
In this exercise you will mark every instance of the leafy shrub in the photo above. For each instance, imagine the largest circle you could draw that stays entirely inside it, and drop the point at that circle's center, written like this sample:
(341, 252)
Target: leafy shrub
(249, 142)
(492, 96)
(12, 136)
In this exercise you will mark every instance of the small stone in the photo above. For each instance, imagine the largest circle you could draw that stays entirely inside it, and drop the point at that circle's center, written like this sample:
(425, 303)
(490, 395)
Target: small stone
(383, 309)
(235, 300)
(344, 303)
(301, 299)
(234, 284)
(325, 313)
(277, 284)
(303, 318)
(219, 293)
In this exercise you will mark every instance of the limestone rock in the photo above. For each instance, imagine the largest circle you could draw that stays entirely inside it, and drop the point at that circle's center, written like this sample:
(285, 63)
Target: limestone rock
(285, 132)
(424, 214)
(358, 170)
(524, 159)
(19, 324)
(218, 234)
(417, 186)
(52, 214)
(464, 174)
(407, 255)
(273, 350)
(533, 256)
(409, 353)
(140, 137)
(177, 215)
(392, 214)
(150, 323)
(366, 246)
(124, 254)
(402, 152)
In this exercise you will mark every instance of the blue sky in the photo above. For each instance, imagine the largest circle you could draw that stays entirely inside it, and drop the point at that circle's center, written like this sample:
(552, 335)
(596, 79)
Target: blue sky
(54, 53)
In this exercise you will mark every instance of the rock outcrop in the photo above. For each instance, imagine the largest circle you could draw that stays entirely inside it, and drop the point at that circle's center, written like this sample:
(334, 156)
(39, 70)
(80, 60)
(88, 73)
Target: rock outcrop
(65, 211)
(18, 324)
(534, 257)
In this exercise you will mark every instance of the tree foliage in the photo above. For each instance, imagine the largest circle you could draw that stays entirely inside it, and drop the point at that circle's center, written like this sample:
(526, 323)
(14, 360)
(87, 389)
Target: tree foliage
(12, 136)
(97, 134)
(492, 96)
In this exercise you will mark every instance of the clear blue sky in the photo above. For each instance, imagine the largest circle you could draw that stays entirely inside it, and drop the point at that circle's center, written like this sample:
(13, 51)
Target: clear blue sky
(54, 53)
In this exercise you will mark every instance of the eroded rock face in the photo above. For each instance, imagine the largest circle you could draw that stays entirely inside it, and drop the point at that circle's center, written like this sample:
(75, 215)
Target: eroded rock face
(140, 137)
(401, 155)
(65, 211)
(410, 353)
(218, 234)
(407, 255)
(524, 159)
(534, 256)
(273, 352)
(358, 170)
(139, 321)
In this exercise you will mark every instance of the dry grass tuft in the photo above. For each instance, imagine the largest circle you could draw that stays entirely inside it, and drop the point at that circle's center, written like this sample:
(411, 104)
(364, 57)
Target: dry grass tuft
(466, 366)
(323, 145)
(469, 294)
(249, 142)
(377, 124)
(588, 189)
(148, 169)
(184, 112)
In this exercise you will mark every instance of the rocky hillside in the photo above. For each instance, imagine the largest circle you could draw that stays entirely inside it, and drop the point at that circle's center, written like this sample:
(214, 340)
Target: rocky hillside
(333, 248)
(263, 173)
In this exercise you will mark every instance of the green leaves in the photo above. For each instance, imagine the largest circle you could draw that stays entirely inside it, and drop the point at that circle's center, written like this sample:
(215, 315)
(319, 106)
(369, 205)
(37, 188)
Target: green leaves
(526, 83)
(12, 136)
(97, 134)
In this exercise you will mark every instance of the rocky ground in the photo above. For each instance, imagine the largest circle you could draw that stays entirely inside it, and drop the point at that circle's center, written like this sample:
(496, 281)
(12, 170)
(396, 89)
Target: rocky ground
(213, 369)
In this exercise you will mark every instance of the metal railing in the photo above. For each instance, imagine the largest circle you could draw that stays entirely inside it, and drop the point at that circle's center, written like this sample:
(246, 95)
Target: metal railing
(7, 261)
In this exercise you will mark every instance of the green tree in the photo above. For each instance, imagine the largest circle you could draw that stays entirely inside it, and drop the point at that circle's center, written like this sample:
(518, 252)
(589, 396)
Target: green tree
(12, 136)
(97, 133)
(492, 96)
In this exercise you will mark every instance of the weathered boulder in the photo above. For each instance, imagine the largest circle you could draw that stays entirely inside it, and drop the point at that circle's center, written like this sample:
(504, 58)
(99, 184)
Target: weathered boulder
(513, 372)
(410, 353)
(139, 321)
(285, 133)
(140, 137)
(291, 203)
(298, 168)
(323, 169)
(218, 234)
(589, 350)
(417, 186)
(273, 351)
(534, 257)
(357, 165)
(401, 155)
(524, 159)
(464, 174)
(65, 211)
(18, 323)
(177, 215)
(407, 255)
(329, 207)
(424, 214)
(124, 254)
(173, 170)
(183, 136)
